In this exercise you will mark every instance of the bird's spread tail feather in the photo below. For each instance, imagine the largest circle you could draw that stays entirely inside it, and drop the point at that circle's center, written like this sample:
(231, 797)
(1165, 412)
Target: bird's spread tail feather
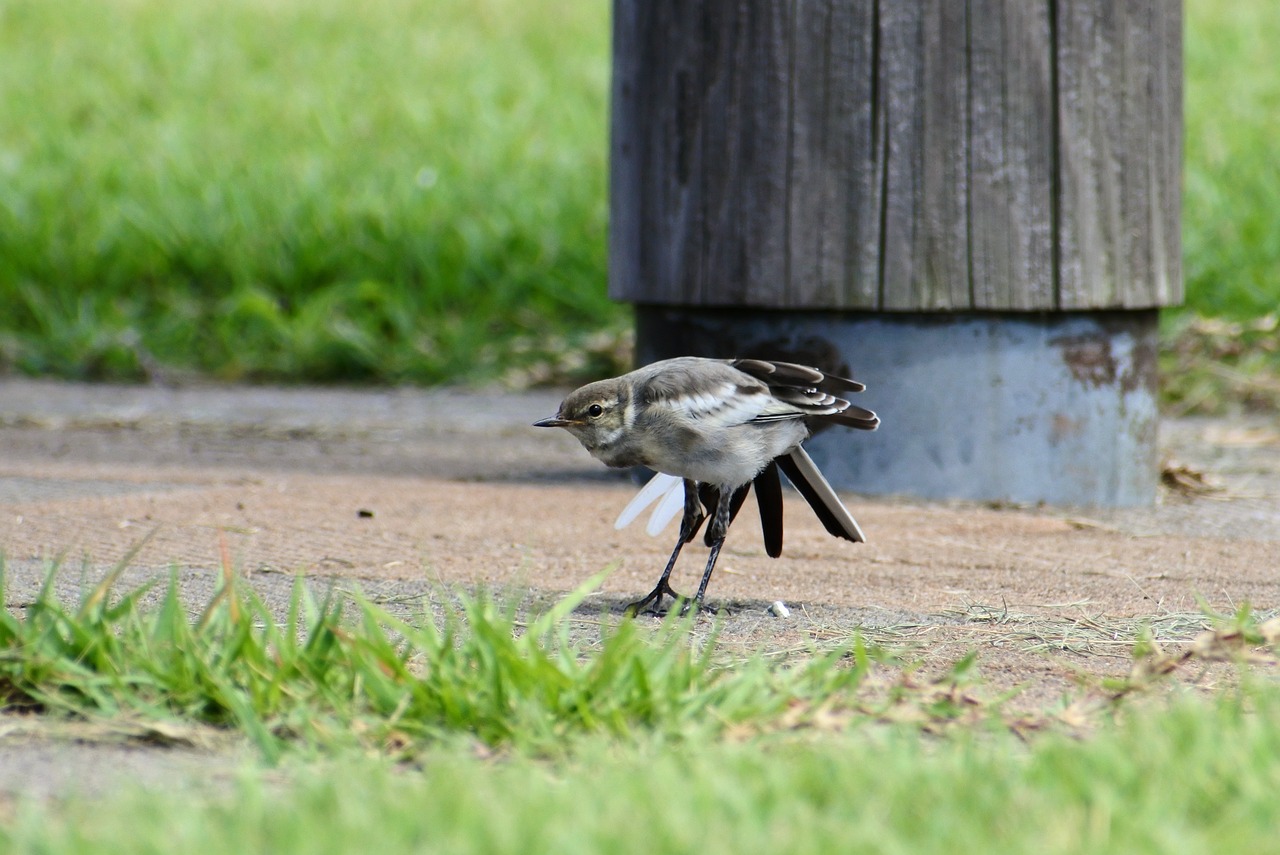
(800, 469)
(667, 491)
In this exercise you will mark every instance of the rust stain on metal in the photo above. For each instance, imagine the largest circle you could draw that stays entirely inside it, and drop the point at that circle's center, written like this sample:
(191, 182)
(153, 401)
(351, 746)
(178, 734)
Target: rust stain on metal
(1064, 427)
(1089, 358)
(1143, 370)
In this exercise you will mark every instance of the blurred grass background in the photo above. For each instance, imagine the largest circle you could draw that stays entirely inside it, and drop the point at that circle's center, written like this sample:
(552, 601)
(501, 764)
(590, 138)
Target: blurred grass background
(415, 192)
(387, 191)
(1222, 349)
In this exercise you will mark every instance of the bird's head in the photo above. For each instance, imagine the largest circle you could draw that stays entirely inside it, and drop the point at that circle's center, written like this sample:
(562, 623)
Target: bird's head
(596, 414)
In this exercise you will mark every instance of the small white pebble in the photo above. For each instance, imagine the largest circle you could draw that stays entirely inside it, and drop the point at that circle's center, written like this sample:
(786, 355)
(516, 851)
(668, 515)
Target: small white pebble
(779, 609)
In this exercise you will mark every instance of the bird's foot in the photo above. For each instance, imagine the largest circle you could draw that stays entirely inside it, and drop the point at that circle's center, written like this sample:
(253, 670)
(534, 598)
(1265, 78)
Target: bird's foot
(654, 600)
(697, 606)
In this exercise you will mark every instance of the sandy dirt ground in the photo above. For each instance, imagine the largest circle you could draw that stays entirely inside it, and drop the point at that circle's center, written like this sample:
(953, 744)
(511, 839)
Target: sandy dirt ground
(400, 491)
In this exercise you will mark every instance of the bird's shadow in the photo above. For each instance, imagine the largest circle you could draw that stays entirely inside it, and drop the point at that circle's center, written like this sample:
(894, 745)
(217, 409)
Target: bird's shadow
(618, 605)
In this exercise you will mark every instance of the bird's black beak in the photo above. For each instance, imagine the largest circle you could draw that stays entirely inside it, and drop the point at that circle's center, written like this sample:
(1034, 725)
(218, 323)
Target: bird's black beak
(554, 421)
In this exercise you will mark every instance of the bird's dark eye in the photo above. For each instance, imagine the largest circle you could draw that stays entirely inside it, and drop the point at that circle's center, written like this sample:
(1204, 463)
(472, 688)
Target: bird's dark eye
(595, 411)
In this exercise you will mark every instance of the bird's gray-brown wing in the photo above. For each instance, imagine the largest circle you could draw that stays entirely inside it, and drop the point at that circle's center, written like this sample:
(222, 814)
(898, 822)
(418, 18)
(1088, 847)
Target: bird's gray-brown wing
(707, 391)
(809, 391)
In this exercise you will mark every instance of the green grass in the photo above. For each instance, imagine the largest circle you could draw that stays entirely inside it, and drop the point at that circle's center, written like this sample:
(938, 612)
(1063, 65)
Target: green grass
(350, 675)
(1220, 350)
(301, 190)
(1231, 228)
(1197, 777)
(470, 729)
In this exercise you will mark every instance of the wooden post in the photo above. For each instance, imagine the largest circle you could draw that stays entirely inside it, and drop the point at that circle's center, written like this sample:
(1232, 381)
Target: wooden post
(1005, 168)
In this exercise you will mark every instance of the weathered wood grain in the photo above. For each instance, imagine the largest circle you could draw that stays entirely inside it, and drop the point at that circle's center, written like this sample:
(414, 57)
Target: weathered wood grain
(834, 180)
(941, 245)
(1090, 223)
(915, 155)
(744, 142)
(1120, 129)
(1011, 155)
(901, 88)
(1166, 159)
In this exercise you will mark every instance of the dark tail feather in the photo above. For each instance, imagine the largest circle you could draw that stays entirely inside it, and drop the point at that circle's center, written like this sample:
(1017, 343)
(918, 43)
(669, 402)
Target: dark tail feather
(803, 473)
(780, 373)
(835, 385)
(769, 501)
(855, 417)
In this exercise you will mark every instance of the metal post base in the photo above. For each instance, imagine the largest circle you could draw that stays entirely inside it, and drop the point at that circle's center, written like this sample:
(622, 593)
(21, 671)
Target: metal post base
(1020, 407)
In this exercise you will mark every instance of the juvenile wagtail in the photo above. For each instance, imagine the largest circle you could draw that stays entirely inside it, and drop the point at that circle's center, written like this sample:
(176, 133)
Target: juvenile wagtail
(721, 426)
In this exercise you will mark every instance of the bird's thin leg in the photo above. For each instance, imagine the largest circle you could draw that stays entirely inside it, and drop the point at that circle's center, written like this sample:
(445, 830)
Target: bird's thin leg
(689, 526)
(706, 574)
(655, 596)
(717, 529)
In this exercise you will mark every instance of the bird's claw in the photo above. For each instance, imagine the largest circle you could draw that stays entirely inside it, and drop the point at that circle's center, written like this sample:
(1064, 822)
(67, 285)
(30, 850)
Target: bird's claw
(696, 606)
(654, 599)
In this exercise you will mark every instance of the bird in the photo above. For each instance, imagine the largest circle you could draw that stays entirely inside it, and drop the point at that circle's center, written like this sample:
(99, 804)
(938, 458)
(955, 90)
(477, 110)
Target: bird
(722, 426)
